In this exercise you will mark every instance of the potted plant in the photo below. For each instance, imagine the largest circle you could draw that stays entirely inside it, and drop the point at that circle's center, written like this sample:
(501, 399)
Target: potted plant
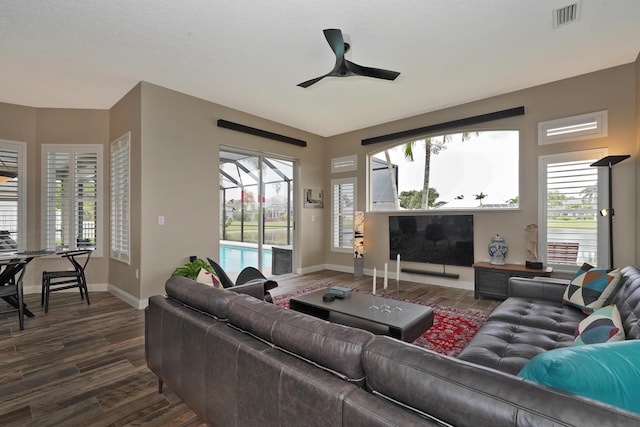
(192, 269)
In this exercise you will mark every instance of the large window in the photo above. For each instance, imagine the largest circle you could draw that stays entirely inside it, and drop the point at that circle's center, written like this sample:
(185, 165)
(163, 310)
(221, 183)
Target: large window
(466, 170)
(343, 197)
(72, 196)
(120, 198)
(568, 218)
(12, 197)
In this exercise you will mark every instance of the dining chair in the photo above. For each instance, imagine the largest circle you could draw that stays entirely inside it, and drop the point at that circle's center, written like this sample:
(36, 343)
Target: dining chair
(12, 272)
(53, 281)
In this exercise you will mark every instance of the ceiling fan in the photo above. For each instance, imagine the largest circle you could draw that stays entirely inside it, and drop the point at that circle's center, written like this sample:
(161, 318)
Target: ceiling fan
(344, 67)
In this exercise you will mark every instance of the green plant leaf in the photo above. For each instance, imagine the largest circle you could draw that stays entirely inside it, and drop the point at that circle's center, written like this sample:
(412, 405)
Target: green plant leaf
(191, 269)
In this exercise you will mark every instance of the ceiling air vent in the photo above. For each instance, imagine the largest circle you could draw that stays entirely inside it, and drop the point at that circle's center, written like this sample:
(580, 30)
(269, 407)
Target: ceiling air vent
(566, 15)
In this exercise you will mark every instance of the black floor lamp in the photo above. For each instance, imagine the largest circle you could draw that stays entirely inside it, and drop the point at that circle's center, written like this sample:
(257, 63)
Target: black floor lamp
(609, 161)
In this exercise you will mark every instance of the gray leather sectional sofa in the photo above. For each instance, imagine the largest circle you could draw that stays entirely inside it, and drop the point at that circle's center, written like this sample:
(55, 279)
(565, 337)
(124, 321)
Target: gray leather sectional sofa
(533, 320)
(239, 361)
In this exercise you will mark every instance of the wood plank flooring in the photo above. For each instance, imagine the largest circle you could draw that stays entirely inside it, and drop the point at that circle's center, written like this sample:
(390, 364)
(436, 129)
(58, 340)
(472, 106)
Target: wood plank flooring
(84, 365)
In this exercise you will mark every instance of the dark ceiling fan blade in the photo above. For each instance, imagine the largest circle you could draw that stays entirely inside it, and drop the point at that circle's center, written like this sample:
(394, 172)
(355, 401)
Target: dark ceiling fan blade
(336, 41)
(310, 82)
(377, 73)
(343, 67)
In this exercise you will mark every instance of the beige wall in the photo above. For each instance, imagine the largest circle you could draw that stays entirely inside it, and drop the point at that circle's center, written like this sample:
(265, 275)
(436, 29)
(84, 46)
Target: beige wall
(179, 180)
(37, 126)
(125, 117)
(608, 89)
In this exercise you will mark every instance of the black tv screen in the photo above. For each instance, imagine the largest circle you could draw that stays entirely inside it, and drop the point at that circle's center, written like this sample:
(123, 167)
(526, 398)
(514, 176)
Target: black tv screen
(433, 239)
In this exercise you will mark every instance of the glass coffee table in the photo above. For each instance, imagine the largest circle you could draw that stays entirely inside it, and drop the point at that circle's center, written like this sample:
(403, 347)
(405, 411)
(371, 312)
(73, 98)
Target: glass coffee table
(406, 324)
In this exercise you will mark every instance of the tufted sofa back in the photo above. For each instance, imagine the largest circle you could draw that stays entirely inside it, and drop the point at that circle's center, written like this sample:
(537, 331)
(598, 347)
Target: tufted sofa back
(627, 299)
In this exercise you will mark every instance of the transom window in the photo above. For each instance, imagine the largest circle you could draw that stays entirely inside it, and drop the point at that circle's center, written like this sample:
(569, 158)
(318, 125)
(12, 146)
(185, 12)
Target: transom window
(466, 170)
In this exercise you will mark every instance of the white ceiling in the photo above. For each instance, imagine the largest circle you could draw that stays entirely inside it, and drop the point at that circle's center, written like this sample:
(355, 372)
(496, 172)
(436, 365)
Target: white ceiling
(251, 54)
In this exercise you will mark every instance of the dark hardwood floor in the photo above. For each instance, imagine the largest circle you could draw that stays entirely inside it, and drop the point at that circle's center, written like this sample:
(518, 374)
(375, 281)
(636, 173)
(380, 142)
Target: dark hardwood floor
(84, 365)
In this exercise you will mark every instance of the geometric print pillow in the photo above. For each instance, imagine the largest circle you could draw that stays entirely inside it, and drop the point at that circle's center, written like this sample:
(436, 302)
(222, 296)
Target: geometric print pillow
(208, 278)
(590, 289)
(603, 325)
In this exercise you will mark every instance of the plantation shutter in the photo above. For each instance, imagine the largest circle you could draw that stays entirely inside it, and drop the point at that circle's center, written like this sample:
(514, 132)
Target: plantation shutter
(86, 199)
(343, 209)
(571, 212)
(72, 196)
(9, 200)
(120, 198)
(57, 207)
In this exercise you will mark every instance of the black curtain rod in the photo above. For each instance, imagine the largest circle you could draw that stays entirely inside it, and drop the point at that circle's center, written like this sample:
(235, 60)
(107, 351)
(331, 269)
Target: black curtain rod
(511, 112)
(259, 132)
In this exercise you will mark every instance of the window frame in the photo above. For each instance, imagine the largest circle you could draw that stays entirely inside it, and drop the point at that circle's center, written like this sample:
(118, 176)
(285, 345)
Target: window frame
(337, 212)
(120, 199)
(21, 150)
(451, 205)
(72, 150)
(602, 233)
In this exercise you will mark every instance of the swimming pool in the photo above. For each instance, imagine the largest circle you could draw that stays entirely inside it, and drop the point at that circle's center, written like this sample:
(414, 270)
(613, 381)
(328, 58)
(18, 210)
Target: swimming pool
(233, 258)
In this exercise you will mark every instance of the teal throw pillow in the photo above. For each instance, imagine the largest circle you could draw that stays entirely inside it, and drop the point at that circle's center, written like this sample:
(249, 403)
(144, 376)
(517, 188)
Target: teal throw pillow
(603, 325)
(606, 372)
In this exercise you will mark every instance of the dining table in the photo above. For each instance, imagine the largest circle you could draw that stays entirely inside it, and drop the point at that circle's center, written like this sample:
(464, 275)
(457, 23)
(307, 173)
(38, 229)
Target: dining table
(12, 269)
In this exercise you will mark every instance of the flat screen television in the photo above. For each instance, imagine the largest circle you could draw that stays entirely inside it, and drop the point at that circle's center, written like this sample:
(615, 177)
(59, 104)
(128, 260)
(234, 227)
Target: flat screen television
(433, 239)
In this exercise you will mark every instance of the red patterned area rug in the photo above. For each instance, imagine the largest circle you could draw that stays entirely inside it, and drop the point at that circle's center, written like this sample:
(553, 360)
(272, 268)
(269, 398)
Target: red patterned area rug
(452, 327)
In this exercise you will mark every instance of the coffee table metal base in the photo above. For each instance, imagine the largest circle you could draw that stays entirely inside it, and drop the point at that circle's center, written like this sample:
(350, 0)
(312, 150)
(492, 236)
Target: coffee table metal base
(406, 324)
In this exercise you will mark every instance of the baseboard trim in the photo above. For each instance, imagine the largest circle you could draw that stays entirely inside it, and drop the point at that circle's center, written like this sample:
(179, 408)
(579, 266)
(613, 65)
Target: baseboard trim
(133, 301)
(311, 269)
(140, 304)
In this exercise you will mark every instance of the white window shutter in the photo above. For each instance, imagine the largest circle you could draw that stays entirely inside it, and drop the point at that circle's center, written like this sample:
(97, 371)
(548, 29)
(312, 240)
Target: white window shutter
(120, 202)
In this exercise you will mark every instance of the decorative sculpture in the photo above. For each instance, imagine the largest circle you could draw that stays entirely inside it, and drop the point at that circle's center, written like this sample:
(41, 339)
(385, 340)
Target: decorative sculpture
(532, 241)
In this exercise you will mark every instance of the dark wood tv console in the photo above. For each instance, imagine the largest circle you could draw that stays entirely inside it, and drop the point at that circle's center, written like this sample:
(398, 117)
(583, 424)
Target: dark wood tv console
(492, 280)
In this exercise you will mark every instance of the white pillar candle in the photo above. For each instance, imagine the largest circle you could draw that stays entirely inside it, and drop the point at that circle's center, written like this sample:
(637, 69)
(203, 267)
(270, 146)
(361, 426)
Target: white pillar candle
(385, 275)
(374, 280)
(398, 269)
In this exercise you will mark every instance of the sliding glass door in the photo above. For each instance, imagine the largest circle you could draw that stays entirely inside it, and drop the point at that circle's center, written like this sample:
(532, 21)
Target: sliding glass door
(256, 198)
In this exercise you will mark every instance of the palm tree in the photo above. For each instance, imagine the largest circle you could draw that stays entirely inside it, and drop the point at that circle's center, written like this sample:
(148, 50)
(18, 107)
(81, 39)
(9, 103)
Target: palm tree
(589, 194)
(431, 146)
(480, 197)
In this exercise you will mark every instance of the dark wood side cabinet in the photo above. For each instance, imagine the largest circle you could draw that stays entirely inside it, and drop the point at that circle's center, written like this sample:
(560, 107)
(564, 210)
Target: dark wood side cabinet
(493, 280)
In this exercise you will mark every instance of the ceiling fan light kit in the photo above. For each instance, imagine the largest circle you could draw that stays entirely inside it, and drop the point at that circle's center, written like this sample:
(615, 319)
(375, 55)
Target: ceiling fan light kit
(344, 67)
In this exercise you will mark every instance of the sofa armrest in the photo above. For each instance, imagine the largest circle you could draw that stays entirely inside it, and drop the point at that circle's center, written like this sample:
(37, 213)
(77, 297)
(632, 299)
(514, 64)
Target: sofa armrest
(258, 288)
(546, 289)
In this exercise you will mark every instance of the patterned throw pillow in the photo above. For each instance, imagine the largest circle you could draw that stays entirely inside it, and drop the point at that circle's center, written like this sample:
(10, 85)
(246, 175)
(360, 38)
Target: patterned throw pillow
(208, 278)
(603, 325)
(590, 288)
